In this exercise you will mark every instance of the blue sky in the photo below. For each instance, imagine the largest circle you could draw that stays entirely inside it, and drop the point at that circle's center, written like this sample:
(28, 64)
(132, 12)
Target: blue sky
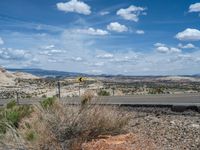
(133, 37)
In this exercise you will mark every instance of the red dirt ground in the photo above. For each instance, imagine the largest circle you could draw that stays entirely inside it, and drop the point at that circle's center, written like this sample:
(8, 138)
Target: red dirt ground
(120, 142)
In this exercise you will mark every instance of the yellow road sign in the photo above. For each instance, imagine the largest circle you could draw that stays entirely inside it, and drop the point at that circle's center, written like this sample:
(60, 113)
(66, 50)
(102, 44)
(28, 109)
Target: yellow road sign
(80, 79)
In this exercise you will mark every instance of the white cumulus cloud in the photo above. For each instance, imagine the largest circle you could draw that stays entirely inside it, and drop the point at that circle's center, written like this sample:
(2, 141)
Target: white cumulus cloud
(92, 31)
(74, 6)
(187, 46)
(77, 59)
(194, 7)
(117, 27)
(175, 50)
(162, 48)
(99, 64)
(189, 35)
(159, 45)
(103, 13)
(114, 60)
(52, 52)
(48, 47)
(52, 60)
(14, 54)
(131, 13)
(105, 56)
(140, 32)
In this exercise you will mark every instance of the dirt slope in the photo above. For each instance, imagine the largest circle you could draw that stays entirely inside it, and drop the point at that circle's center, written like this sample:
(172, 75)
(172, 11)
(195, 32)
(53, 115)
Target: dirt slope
(7, 78)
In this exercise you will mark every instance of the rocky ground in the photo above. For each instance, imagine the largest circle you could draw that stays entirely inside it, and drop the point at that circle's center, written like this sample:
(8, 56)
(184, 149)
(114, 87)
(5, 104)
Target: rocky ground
(169, 130)
(155, 129)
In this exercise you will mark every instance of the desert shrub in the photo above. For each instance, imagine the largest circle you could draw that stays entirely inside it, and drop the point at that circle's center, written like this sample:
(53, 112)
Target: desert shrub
(63, 126)
(28, 96)
(11, 104)
(11, 139)
(48, 102)
(44, 96)
(2, 127)
(12, 115)
(31, 135)
(156, 91)
(86, 98)
(54, 125)
(10, 118)
(103, 93)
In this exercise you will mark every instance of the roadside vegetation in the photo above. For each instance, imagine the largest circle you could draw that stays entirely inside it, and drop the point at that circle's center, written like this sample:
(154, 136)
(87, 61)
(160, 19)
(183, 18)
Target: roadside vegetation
(12, 115)
(103, 93)
(54, 125)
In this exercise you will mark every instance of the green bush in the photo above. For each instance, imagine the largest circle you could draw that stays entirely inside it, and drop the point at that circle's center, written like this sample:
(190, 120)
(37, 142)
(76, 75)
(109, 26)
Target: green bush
(28, 96)
(156, 91)
(2, 128)
(12, 115)
(44, 96)
(31, 135)
(11, 104)
(48, 102)
(15, 114)
(103, 93)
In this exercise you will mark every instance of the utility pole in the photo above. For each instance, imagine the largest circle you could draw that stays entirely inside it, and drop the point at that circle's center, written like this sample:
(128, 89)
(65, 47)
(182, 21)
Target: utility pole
(58, 86)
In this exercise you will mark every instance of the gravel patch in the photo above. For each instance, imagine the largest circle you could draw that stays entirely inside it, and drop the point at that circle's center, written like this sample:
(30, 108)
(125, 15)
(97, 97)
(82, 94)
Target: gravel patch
(170, 130)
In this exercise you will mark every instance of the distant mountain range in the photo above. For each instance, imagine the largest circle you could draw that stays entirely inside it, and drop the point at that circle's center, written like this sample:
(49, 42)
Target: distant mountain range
(197, 75)
(54, 73)
(47, 73)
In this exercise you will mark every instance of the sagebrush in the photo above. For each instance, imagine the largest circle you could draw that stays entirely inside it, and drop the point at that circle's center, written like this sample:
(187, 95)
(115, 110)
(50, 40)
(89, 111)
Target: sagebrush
(60, 126)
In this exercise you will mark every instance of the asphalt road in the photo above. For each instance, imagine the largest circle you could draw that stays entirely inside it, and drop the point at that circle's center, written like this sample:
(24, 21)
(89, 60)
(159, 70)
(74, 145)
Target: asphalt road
(179, 99)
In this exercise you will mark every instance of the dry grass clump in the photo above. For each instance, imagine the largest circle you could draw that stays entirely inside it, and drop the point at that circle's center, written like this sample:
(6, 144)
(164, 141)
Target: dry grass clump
(60, 126)
(12, 115)
(86, 97)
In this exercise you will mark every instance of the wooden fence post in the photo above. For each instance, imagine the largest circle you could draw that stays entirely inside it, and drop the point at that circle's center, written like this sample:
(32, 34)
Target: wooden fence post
(17, 97)
(58, 84)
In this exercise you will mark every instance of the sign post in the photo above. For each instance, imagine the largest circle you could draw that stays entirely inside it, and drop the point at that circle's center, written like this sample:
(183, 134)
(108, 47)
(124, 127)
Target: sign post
(80, 79)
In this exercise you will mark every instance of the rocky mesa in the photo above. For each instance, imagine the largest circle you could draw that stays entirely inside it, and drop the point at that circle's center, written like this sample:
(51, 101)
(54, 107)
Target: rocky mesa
(8, 78)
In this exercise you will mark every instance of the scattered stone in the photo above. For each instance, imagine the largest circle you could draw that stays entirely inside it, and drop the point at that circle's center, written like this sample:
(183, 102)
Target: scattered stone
(195, 125)
(170, 131)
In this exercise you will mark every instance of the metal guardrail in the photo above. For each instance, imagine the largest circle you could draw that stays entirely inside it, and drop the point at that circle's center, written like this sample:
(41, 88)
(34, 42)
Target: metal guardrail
(180, 99)
(21, 101)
